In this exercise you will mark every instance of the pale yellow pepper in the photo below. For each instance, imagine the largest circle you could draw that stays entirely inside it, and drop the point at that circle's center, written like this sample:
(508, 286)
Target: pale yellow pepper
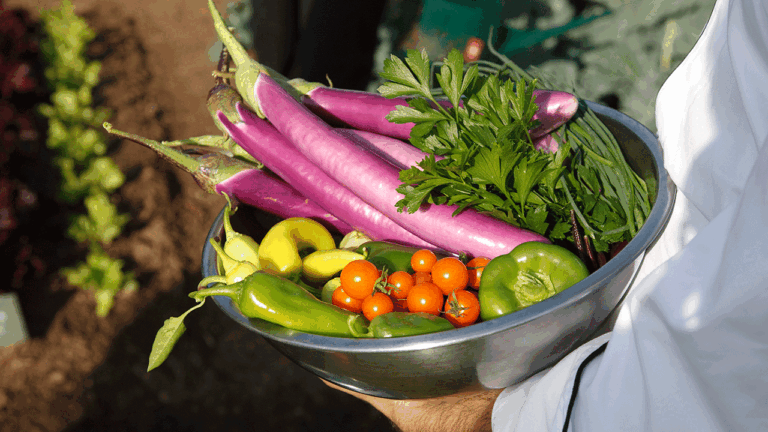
(279, 249)
(319, 266)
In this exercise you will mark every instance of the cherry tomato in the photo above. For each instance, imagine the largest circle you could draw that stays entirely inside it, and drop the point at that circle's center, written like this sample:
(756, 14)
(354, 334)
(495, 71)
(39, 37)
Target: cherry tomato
(450, 274)
(421, 277)
(462, 308)
(423, 260)
(399, 283)
(358, 279)
(476, 267)
(400, 305)
(343, 300)
(425, 297)
(377, 304)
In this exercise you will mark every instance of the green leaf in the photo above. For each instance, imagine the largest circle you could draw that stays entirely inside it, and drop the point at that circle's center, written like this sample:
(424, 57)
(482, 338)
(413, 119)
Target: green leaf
(167, 337)
(407, 114)
(393, 90)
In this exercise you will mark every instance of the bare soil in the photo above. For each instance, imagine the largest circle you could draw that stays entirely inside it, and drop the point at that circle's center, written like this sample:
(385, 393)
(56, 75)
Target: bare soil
(79, 372)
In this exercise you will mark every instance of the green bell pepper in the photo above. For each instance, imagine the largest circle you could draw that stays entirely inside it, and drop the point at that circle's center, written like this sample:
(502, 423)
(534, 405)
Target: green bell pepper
(530, 273)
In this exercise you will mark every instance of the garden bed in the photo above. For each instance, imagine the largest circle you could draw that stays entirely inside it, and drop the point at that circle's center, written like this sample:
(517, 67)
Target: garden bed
(77, 371)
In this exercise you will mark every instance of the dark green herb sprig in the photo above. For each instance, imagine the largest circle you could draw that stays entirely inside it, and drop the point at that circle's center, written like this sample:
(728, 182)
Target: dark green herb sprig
(490, 162)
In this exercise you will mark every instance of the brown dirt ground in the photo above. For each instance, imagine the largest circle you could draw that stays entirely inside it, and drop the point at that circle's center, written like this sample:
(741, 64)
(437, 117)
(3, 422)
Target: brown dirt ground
(78, 372)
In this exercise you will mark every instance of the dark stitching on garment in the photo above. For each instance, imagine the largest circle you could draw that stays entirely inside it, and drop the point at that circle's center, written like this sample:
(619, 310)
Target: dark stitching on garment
(576, 382)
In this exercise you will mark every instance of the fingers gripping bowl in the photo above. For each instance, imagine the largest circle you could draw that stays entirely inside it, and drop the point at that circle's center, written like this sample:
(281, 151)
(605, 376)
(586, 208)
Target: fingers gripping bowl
(488, 355)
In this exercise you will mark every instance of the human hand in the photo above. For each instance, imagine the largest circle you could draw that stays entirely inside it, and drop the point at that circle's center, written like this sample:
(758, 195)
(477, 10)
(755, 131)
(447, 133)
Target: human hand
(469, 411)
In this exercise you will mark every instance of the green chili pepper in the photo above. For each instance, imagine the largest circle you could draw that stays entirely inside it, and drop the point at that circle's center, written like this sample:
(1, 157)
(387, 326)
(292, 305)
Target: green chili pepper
(392, 256)
(281, 301)
(399, 324)
(530, 273)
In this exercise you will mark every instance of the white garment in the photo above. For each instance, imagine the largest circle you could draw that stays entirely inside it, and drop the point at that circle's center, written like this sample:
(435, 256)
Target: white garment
(690, 348)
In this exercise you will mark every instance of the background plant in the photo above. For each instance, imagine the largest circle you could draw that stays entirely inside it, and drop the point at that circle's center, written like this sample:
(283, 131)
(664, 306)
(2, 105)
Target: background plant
(88, 175)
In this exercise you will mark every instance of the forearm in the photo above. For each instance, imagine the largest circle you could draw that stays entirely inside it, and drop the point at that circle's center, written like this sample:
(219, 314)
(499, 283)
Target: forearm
(467, 412)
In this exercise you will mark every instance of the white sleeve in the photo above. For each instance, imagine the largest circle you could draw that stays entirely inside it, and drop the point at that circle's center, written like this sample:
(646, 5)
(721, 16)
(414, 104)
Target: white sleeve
(690, 348)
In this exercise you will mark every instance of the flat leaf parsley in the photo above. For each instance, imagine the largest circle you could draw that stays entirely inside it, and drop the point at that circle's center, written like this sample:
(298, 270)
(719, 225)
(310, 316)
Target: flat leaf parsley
(489, 161)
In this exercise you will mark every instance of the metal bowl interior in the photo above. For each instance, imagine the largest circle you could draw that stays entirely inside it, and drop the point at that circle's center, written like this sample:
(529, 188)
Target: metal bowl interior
(492, 354)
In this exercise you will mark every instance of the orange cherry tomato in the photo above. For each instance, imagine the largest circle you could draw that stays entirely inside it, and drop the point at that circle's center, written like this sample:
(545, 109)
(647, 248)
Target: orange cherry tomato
(425, 297)
(377, 304)
(422, 260)
(400, 305)
(343, 300)
(400, 284)
(462, 308)
(358, 279)
(450, 274)
(475, 266)
(421, 277)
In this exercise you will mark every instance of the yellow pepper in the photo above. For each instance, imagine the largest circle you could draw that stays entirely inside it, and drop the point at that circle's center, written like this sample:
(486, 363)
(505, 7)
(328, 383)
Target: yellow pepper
(234, 270)
(279, 249)
(319, 266)
(239, 246)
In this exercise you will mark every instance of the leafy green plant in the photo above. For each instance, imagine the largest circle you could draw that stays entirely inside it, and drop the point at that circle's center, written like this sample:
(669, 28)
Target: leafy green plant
(88, 175)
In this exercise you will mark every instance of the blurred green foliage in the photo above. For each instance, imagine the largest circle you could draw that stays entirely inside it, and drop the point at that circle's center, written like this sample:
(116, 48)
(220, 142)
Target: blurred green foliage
(88, 175)
(617, 52)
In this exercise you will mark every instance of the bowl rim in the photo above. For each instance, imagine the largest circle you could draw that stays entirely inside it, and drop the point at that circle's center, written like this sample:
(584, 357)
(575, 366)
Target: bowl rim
(646, 236)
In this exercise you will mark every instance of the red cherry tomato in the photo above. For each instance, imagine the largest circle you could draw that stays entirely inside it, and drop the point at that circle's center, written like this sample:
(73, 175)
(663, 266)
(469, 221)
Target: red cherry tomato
(475, 266)
(358, 279)
(422, 260)
(450, 274)
(400, 284)
(343, 300)
(377, 304)
(425, 297)
(421, 277)
(462, 308)
(400, 305)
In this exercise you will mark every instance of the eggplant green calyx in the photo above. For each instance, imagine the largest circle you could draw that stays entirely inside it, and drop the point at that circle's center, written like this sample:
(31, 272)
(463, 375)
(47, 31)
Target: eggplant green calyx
(208, 169)
(248, 70)
(223, 98)
(303, 86)
(530, 273)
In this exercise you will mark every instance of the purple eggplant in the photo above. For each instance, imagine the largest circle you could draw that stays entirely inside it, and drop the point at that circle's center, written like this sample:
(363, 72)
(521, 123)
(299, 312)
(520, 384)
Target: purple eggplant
(218, 173)
(368, 111)
(265, 143)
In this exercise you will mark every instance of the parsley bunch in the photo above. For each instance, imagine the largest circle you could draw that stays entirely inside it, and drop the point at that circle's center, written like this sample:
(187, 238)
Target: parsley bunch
(489, 160)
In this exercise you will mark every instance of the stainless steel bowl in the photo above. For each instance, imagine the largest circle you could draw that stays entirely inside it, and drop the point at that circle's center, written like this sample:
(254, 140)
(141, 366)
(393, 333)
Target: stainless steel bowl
(487, 355)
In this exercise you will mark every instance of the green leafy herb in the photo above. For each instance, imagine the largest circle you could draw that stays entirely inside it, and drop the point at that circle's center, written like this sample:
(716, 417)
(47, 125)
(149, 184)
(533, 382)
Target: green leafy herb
(490, 162)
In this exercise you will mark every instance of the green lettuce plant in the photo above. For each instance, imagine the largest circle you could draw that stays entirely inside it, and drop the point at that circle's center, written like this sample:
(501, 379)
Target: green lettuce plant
(88, 175)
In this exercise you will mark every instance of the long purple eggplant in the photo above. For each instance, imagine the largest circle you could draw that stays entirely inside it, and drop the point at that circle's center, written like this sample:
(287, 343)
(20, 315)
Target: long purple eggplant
(376, 181)
(265, 143)
(220, 174)
(368, 111)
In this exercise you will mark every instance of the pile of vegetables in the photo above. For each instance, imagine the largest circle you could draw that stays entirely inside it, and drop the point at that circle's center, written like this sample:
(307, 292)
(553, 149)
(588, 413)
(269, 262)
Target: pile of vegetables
(481, 213)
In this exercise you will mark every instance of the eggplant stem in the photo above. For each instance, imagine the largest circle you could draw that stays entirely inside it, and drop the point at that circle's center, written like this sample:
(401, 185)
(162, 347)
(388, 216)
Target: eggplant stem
(177, 158)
